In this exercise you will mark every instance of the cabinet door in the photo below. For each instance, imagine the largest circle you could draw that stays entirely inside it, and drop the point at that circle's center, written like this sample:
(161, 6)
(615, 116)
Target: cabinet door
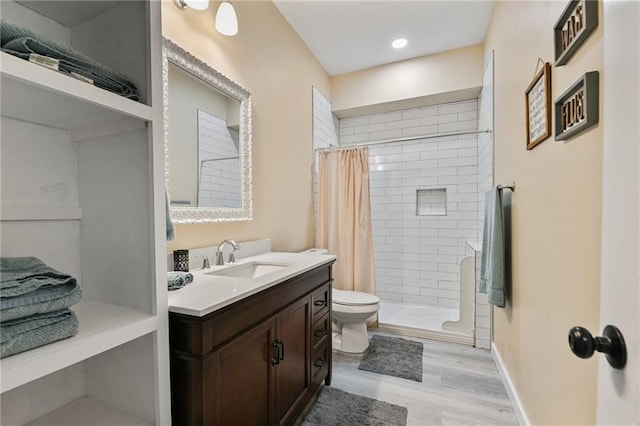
(242, 379)
(292, 373)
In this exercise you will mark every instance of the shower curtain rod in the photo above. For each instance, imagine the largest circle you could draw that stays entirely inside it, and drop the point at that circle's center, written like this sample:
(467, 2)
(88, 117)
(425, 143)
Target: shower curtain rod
(407, 139)
(219, 159)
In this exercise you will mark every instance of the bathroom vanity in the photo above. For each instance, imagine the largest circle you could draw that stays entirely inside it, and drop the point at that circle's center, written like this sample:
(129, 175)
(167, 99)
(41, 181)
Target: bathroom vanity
(251, 350)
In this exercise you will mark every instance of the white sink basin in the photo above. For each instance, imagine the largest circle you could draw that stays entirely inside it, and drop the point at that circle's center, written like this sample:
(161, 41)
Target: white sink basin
(249, 270)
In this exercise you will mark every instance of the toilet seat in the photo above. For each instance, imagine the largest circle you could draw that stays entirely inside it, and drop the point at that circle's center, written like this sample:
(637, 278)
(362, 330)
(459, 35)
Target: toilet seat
(353, 298)
(349, 313)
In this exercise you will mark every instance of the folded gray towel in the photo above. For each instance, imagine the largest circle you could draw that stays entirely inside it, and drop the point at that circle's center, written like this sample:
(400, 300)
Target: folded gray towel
(28, 286)
(21, 42)
(492, 266)
(22, 334)
(178, 279)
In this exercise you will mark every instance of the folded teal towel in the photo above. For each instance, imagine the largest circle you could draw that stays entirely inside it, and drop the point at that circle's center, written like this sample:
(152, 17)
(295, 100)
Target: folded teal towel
(21, 42)
(492, 266)
(28, 286)
(178, 279)
(26, 333)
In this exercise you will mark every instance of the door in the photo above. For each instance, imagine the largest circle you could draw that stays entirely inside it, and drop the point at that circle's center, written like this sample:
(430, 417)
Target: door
(292, 372)
(243, 379)
(619, 390)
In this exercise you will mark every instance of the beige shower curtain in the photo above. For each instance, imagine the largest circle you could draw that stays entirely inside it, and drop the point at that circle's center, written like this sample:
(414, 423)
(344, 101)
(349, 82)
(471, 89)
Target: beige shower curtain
(344, 217)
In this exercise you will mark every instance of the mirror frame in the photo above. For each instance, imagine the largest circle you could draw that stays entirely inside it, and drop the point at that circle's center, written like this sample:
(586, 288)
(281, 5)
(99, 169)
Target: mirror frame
(172, 53)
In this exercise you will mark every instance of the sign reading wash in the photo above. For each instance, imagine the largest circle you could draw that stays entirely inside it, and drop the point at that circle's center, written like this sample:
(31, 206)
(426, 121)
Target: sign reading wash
(577, 108)
(577, 22)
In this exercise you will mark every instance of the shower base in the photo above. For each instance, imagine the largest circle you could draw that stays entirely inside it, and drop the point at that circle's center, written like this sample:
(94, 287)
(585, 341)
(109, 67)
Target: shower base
(420, 321)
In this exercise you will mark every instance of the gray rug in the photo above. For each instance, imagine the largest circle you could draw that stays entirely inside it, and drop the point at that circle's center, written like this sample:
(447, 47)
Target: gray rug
(394, 357)
(335, 407)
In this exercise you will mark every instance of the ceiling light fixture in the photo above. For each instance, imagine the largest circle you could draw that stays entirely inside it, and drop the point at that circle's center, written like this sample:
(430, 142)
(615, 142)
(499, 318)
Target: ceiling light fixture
(226, 19)
(192, 4)
(399, 43)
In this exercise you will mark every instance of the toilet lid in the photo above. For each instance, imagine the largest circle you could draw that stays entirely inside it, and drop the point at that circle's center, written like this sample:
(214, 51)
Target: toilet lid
(343, 297)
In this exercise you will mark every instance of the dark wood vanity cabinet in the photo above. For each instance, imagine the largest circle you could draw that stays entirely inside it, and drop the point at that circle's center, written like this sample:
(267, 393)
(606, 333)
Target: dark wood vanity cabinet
(258, 361)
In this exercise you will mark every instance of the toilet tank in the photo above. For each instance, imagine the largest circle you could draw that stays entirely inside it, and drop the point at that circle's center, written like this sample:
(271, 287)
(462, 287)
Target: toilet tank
(316, 251)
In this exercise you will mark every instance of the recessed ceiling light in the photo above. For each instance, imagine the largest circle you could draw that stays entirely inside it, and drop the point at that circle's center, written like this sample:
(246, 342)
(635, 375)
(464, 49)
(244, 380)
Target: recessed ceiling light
(399, 43)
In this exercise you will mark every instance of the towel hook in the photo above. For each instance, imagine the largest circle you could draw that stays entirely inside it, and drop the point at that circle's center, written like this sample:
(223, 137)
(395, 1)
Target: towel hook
(512, 186)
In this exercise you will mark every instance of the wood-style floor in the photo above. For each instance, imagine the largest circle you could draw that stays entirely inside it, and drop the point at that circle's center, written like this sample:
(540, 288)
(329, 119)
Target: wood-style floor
(460, 386)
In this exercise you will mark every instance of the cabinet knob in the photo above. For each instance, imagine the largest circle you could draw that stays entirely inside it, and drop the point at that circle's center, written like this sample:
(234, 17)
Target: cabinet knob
(276, 356)
(278, 348)
(611, 343)
(319, 362)
(320, 333)
(320, 303)
(281, 343)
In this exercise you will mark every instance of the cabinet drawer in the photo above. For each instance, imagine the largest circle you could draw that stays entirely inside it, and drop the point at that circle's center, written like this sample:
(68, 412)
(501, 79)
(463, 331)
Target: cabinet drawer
(321, 329)
(320, 300)
(320, 362)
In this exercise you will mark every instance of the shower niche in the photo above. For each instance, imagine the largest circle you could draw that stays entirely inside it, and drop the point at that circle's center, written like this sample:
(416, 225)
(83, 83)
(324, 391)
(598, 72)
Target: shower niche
(431, 202)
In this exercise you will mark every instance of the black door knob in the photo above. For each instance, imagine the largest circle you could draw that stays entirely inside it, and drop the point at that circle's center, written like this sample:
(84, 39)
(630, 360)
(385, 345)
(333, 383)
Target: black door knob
(583, 344)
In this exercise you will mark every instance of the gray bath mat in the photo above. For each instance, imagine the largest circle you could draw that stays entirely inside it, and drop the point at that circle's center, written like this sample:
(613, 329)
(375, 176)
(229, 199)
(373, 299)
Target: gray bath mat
(394, 357)
(335, 407)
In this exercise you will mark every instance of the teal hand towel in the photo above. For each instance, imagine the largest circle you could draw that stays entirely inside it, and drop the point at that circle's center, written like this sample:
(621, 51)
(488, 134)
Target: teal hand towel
(21, 42)
(30, 332)
(178, 279)
(28, 286)
(492, 267)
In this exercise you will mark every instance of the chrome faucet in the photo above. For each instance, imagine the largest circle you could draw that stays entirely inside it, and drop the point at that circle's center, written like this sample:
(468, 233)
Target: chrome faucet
(205, 262)
(232, 255)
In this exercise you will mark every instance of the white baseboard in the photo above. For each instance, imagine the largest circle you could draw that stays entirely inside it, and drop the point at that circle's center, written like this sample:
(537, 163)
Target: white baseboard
(521, 415)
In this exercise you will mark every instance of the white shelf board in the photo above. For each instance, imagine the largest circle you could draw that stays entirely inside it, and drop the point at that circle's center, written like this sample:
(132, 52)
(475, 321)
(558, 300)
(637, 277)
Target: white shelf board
(40, 213)
(66, 15)
(39, 95)
(102, 327)
(87, 411)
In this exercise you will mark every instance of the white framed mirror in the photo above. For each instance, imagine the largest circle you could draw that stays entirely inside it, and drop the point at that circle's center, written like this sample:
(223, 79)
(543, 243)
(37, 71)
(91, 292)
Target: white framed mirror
(207, 141)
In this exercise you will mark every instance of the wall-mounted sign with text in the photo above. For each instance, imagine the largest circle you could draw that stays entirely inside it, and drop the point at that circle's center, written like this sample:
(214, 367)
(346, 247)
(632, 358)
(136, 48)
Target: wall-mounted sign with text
(538, 104)
(577, 22)
(577, 108)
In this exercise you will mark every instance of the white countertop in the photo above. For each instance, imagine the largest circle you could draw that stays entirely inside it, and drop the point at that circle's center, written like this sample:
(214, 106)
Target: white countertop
(208, 293)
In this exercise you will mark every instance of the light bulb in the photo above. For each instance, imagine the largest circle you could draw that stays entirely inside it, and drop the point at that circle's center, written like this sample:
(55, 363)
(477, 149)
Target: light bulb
(197, 4)
(226, 19)
(399, 43)
(193, 4)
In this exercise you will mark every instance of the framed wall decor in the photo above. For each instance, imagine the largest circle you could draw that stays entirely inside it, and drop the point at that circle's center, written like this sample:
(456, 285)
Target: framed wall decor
(577, 22)
(578, 107)
(538, 105)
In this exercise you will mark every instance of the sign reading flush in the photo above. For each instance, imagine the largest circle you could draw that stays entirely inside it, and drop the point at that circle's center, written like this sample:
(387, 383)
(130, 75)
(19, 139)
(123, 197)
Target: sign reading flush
(577, 108)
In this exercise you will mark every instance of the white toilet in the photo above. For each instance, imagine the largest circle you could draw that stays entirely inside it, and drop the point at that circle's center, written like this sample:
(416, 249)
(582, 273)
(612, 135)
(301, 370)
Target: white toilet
(350, 311)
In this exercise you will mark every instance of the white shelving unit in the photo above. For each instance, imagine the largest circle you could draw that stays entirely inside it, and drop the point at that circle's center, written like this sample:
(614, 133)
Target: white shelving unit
(82, 188)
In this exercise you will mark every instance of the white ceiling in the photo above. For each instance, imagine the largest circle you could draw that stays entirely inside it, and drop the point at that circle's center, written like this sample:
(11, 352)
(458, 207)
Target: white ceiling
(348, 35)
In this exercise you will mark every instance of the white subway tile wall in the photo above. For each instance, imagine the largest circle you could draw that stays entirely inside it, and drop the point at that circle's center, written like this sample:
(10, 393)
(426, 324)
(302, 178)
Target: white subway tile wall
(219, 179)
(417, 257)
(325, 124)
(325, 135)
(485, 182)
